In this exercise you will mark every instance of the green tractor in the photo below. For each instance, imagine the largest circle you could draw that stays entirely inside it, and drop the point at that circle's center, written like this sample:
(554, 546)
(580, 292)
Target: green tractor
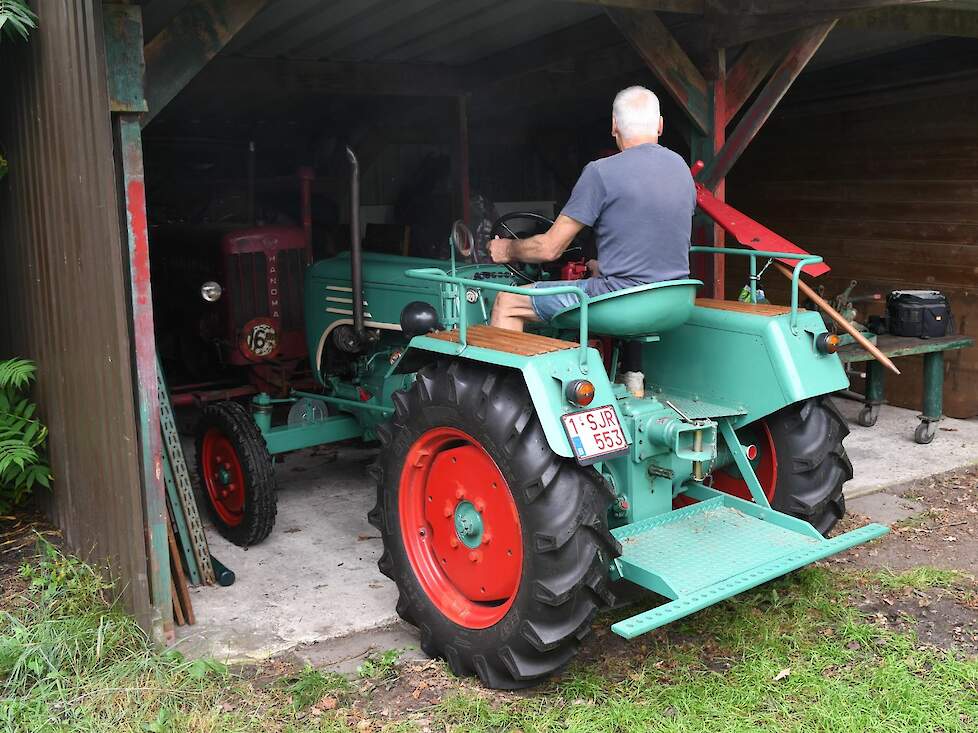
(516, 480)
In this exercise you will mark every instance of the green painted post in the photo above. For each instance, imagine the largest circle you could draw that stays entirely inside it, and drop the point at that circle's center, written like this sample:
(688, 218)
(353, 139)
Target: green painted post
(875, 383)
(933, 385)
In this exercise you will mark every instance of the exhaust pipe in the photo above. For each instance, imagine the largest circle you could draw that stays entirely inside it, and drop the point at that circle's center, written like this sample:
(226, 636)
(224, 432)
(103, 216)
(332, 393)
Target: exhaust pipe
(356, 247)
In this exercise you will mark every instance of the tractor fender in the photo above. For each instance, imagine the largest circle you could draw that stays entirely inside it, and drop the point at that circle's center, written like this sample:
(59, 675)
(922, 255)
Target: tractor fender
(545, 375)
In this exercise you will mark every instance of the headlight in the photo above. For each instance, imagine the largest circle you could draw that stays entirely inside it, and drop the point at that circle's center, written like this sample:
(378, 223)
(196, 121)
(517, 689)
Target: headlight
(211, 291)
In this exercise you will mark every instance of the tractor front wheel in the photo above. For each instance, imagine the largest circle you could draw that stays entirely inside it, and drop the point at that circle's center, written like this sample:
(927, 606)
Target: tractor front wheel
(235, 473)
(500, 549)
(801, 463)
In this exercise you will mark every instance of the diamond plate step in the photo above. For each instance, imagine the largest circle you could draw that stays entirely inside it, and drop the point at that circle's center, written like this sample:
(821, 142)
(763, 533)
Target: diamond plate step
(699, 409)
(714, 549)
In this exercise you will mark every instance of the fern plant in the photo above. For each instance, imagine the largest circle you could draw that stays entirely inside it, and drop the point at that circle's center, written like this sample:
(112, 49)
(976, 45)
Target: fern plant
(16, 19)
(22, 436)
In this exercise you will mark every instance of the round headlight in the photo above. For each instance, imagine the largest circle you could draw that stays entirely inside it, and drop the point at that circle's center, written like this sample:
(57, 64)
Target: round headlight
(211, 291)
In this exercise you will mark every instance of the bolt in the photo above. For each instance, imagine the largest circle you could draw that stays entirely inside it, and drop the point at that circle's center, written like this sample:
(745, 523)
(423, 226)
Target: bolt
(421, 532)
(227, 466)
(486, 538)
(453, 542)
(480, 506)
(447, 511)
(219, 459)
(475, 556)
(459, 494)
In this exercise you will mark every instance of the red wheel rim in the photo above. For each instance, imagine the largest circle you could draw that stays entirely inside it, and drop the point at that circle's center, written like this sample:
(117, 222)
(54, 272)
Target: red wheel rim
(223, 477)
(765, 465)
(461, 528)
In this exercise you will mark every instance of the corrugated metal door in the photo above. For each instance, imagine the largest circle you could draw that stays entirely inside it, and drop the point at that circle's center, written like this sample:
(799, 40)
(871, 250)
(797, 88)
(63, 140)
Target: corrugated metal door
(63, 298)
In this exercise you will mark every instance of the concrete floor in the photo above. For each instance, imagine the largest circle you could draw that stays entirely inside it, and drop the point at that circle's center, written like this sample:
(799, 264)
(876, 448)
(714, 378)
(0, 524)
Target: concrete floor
(315, 579)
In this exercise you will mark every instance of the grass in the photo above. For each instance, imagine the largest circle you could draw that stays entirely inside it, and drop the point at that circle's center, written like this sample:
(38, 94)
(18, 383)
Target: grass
(791, 656)
(920, 578)
(800, 660)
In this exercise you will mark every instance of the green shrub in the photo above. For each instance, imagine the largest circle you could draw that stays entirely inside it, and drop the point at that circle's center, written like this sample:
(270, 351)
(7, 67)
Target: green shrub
(16, 19)
(22, 436)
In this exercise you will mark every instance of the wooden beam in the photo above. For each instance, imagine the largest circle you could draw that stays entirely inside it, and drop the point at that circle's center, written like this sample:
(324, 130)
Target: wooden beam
(694, 7)
(753, 66)
(922, 19)
(194, 36)
(236, 75)
(807, 43)
(670, 64)
(785, 7)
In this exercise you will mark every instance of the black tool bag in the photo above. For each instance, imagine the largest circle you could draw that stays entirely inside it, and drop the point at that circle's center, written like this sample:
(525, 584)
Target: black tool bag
(919, 313)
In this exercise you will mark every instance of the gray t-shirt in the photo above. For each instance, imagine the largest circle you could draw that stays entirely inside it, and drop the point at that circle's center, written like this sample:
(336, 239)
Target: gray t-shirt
(640, 203)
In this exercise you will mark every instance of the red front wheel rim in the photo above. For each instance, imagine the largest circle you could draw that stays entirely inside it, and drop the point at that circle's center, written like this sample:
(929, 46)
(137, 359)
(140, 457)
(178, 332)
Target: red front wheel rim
(461, 528)
(223, 477)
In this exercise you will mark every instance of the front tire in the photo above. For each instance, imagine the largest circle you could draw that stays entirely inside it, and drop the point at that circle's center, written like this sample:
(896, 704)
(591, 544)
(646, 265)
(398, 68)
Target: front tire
(499, 548)
(236, 474)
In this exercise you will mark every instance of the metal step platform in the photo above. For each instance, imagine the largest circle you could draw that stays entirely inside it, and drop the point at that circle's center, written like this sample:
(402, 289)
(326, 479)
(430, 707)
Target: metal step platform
(715, 549)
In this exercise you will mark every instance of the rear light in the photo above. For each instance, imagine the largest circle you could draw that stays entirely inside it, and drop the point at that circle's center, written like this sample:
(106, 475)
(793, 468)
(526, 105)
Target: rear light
(827, 343)
(580, 392)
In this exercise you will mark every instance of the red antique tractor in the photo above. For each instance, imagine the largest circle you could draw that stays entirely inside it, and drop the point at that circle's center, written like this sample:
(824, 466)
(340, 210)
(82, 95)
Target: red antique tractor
(253, 315)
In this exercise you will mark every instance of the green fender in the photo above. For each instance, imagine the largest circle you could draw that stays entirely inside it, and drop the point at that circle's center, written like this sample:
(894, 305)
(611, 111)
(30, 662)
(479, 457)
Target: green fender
(545, 375)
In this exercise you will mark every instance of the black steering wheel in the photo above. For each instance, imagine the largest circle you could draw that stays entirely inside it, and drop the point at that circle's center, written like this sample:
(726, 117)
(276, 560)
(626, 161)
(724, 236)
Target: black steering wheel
(502, 225)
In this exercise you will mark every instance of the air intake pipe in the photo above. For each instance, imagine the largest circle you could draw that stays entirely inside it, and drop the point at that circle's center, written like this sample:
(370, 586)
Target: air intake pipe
(356, 246)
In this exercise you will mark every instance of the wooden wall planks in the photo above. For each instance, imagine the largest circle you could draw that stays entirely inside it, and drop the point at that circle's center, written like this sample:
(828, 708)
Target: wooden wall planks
(889, 196)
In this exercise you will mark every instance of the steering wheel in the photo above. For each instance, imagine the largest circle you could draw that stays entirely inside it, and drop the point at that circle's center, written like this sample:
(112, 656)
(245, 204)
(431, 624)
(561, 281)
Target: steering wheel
(502, 224)
(461, 238)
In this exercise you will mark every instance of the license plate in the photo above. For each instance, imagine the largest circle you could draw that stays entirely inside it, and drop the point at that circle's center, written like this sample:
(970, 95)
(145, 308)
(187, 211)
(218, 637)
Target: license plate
(595, 434)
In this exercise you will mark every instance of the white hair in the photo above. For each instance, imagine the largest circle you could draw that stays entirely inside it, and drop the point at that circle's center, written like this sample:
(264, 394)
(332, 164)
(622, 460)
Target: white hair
(636, 112)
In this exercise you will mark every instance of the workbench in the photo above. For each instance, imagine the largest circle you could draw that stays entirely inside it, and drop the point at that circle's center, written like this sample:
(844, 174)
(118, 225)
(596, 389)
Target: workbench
(897, 346)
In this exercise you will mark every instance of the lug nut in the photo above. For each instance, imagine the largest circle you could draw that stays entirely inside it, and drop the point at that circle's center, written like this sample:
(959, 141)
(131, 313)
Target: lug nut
(459, 494)
(475, 556)
(453, 542)
(480, 506)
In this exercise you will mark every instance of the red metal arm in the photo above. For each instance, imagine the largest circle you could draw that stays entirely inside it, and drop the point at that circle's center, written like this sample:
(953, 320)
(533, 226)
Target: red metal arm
(746, 231)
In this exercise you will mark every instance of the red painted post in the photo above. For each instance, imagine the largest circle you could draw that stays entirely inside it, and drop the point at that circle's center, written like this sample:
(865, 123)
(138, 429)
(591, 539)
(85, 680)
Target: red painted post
(129, 146)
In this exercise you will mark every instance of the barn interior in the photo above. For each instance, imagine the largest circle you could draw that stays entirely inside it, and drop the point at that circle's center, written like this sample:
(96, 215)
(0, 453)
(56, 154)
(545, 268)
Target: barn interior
(468, 110)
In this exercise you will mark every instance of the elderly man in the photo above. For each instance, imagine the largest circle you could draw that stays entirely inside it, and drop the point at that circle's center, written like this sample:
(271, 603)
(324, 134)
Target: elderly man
(640, 203)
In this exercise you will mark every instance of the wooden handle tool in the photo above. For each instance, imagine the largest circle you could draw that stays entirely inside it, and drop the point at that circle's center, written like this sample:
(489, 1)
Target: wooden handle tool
(838, 318)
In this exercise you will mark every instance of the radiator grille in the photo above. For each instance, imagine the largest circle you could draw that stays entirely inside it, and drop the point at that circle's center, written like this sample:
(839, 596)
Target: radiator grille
(291, 263)
(248, 279)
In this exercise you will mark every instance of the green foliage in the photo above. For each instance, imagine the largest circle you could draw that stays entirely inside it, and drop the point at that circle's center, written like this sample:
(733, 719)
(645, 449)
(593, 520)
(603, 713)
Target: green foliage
(22, 436)
(380, 666)
(16, 19)
(310, 686)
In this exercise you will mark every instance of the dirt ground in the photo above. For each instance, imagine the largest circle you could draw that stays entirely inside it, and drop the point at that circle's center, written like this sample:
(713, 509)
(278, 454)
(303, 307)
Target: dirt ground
(18, 544)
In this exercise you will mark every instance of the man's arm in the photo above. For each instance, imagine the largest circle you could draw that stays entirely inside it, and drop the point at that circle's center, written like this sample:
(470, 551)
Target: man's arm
(545, 247)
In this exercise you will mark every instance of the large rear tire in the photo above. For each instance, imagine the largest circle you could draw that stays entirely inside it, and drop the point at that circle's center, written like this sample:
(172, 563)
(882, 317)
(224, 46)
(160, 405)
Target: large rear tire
(236, 474)
(801, 463)
(500, 549)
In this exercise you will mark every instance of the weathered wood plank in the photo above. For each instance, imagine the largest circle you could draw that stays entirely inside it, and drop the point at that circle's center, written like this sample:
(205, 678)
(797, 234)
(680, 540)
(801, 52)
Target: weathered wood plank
(750, 70)
(667, 60)
(501, 339)
(194, 37)
(923, 19)
(805, 44)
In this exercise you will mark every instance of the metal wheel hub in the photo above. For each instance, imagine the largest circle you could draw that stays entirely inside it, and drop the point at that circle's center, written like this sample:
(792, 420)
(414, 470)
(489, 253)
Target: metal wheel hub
(468, 524)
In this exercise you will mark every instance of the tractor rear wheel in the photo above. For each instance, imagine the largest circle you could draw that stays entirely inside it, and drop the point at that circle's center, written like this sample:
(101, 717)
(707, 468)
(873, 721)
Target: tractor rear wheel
(500, 549)
(801, 463)
(235, 473)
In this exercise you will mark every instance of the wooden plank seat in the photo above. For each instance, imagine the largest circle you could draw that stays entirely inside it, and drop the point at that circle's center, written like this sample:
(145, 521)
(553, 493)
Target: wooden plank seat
(758, 309)
(501, 339)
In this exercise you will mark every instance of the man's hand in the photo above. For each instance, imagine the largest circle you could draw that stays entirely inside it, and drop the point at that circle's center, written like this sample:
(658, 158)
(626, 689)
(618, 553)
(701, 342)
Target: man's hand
(499, 250)
(593, 268)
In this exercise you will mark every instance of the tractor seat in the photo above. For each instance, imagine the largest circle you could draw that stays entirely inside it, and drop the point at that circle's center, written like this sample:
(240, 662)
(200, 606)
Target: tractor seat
(644, 310)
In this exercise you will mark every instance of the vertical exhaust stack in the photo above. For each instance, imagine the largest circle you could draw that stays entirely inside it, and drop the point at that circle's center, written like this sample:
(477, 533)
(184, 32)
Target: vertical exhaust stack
(356, 247)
